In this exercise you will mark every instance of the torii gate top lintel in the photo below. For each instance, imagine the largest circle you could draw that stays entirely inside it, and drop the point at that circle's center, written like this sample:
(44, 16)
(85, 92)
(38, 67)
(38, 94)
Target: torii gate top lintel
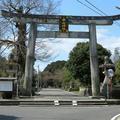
(54, 19)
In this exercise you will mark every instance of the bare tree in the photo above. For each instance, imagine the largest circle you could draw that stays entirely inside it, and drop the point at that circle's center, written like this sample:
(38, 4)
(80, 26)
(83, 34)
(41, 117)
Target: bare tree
(16, 33)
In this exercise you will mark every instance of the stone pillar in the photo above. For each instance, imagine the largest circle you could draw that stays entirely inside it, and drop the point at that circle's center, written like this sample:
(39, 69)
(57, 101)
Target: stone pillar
(95, 82)
(27, 85)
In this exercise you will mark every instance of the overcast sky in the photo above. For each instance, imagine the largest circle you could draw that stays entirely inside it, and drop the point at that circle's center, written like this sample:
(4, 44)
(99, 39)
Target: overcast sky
(107, 36)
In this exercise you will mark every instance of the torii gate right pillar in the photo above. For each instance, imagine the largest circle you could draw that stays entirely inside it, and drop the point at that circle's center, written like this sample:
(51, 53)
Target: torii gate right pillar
(95, 82)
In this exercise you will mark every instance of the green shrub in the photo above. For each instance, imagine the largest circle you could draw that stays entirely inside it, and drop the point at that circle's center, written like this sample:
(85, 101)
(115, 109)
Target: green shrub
(74, 89)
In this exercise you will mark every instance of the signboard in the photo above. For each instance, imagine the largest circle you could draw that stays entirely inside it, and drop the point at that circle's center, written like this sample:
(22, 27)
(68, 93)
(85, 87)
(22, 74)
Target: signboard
(63, 24)
(6, 85)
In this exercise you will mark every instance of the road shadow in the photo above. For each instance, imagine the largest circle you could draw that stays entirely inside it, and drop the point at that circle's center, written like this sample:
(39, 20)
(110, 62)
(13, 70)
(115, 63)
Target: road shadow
(8, 117)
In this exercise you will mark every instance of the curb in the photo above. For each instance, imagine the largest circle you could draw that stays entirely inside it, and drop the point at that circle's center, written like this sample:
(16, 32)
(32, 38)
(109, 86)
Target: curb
(59, 102)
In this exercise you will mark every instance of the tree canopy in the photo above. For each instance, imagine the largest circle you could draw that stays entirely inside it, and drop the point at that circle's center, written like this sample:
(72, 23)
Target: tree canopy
(53, 74)
(16, 33)
(117, 73)
(54, 66)
(79, 61)
(116, 54)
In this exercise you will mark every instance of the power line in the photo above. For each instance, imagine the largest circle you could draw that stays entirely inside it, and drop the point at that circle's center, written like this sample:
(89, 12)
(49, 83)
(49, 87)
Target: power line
(88, 7)
(100, 11)
(3, 50)
(96, 7)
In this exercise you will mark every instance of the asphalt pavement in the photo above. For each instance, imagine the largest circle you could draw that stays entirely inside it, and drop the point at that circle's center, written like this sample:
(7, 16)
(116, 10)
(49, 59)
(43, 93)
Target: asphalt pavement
(31, 109)
(55, 92)
(116, 117)
(58, 113)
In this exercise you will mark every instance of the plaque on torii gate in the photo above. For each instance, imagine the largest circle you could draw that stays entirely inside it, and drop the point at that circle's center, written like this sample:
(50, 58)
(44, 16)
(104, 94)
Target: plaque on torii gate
(91, 21)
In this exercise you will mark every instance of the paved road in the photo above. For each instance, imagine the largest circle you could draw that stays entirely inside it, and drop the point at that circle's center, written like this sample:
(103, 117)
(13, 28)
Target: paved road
(58, 94)
(55, 92)
(58, 113)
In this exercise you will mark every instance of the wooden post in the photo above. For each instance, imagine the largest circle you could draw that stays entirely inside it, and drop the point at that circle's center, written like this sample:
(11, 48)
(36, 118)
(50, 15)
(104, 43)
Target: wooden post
(27, 85)
(94, 61)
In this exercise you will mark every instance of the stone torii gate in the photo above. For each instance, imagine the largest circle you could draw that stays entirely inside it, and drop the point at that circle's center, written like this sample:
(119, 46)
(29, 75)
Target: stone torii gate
(63, 22)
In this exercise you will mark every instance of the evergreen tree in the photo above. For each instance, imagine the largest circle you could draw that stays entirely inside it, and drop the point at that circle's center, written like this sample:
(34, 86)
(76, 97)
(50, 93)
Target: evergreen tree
(79, 61)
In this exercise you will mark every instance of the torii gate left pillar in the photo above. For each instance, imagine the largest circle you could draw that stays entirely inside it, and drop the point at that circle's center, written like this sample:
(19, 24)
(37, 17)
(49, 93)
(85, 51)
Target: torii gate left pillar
(27, 85)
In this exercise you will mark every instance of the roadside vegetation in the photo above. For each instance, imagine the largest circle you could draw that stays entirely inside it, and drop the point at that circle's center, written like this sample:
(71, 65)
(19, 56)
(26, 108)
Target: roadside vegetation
(75, 72)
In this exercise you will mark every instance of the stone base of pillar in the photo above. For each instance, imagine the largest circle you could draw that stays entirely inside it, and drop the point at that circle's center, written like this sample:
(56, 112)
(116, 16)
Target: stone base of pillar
(25, 92)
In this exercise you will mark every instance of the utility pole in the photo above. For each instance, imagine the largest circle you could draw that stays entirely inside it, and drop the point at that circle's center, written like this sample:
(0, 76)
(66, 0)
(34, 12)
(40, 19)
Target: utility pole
(17, 72)
(39, 78)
